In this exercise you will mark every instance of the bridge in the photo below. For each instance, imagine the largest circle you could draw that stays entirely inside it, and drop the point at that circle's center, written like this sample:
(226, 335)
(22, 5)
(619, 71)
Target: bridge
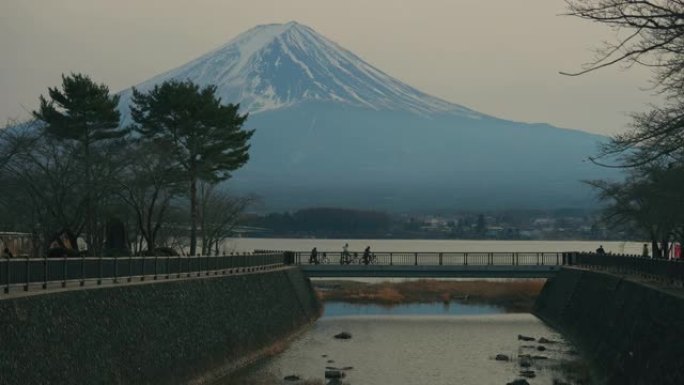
(27, 274)
(388, 264)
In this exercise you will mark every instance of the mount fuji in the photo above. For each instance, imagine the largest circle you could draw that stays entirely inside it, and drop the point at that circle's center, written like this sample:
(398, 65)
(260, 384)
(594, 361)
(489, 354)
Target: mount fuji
(332, 130)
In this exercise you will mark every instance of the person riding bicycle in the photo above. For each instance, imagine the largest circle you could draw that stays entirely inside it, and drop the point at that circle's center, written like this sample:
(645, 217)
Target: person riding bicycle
(366, 255)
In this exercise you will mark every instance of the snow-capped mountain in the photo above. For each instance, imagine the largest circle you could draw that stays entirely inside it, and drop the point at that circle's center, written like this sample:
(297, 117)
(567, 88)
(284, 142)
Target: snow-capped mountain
(280, 65)
(332, 130)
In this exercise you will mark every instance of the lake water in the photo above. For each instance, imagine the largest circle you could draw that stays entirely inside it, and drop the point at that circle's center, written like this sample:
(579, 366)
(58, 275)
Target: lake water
(413, 345)
(415, 245)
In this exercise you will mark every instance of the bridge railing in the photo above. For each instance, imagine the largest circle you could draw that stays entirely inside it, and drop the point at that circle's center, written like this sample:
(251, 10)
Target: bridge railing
(27, 273)
(659, 269)
(399, 258)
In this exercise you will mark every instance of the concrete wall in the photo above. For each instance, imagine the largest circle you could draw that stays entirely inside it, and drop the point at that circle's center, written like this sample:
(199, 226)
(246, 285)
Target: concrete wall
(633, 333)
(162, 333)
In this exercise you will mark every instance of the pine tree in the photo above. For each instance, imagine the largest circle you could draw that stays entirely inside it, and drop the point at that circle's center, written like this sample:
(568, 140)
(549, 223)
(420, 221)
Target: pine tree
(206, 136)
(82, 111)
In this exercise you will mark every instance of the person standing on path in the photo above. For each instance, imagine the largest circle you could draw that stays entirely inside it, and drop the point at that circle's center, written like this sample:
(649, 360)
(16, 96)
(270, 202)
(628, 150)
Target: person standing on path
(313, 258)
(344, 258)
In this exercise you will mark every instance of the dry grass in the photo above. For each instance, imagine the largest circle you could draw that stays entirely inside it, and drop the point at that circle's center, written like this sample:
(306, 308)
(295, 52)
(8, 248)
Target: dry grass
(513, 295)
(268, 379)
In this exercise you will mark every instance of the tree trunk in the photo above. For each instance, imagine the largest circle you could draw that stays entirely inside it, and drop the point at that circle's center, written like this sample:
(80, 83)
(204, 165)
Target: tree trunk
(193, 215)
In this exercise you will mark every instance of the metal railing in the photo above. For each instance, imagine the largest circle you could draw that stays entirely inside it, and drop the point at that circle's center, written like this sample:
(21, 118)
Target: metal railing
(27, 273)
(660, 269)
(400, 258)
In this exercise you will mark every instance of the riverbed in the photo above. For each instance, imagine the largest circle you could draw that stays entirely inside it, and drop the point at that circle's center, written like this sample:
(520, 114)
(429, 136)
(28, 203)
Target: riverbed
(432, 344)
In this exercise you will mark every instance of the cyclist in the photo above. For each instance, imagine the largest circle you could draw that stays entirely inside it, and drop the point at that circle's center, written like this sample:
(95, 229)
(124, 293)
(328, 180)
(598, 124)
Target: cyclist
(366, 255)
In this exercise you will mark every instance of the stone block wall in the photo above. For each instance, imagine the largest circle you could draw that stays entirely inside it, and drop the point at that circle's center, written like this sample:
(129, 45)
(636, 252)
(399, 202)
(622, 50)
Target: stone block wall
(633, 333)
(175, 332)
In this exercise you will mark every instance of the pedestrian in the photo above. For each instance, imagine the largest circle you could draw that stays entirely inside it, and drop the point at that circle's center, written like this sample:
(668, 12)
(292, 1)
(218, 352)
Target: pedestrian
(313, 258)
(644, 251)
(345, 258)
(600, 250)
(7, 253)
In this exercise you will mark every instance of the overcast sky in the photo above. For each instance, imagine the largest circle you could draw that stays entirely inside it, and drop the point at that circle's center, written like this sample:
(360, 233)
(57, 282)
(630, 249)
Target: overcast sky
(500, 57)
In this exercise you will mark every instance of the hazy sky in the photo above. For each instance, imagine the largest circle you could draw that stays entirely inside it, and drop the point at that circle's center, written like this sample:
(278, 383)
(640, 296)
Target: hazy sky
(500, 57)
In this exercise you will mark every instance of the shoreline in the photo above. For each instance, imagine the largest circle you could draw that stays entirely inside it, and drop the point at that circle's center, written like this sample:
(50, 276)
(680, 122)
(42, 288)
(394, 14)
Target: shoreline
(513, 296)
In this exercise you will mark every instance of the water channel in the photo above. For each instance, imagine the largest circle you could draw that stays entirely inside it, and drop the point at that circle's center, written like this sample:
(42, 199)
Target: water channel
(433, 344)
(415, 344)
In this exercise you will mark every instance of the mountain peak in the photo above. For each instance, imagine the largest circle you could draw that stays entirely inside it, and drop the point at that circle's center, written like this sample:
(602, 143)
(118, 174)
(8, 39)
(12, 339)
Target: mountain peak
(275, 66)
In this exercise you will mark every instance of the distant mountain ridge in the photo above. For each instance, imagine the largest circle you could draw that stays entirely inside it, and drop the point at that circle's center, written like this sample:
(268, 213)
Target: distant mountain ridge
(333, 130)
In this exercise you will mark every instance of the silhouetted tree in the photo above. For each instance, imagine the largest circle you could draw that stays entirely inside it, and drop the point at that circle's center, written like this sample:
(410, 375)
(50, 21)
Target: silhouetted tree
(220, 213)
(206, 137)
(148, 185)
(650, 33)
(82, 112)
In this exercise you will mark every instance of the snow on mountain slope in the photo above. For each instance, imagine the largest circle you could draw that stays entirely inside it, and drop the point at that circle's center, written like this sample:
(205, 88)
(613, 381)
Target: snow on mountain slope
(280, 65)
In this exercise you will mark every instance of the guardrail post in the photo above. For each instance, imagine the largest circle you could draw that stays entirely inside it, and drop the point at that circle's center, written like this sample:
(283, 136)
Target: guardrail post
(130, 268)
(82, 283)
(465, 259)
(64, 271)
(7, 275)
(99, 271)
(28, 274)
(45, 271)
(116, 270)
(391, 263)
(415, 259)
(440, 259)
(142, 267)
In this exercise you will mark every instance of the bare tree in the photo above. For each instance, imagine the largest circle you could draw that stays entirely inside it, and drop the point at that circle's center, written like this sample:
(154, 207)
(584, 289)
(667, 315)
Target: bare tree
(220, 213)
(648, 33)
(149, 185)
(43, 180)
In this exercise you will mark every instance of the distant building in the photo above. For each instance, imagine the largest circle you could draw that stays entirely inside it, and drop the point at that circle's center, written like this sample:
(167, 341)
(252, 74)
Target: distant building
(19, 244)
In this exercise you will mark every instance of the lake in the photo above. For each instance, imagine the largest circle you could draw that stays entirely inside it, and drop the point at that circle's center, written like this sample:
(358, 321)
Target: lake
(415, 245)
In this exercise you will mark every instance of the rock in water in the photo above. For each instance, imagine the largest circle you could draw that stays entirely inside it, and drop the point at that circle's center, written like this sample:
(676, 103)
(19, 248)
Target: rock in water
(501, 357)
(334, 374)
(343, 336)
(525, 361)
(524, 338)
(519, 382)
(528, 373)
(291, 377)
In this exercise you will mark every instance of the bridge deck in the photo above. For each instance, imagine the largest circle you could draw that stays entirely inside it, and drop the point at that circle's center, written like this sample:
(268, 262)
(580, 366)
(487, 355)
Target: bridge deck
(410, 271)
(431, 264)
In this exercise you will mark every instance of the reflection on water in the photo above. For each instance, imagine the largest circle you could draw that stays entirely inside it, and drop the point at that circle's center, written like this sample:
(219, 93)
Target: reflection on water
(338, 309)
(402, 349)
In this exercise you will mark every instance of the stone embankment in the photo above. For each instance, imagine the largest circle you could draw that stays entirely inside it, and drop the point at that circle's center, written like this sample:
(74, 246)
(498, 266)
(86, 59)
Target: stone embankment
(633, 332)
(176, 332)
